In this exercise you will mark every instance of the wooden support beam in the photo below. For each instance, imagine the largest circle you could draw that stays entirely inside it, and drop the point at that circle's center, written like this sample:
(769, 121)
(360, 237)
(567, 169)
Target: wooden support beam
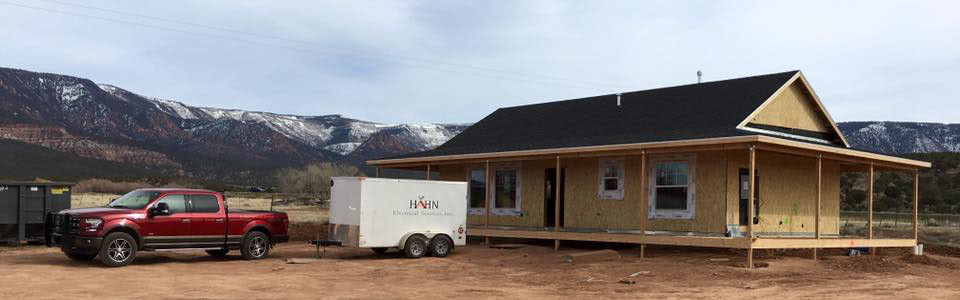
(428, 171)
(750, 213)
(819, 200)
(916, 203)
(591, 256)
(556, 205)
(870, 207)
(486, 200)
(378, 171)
(644, 198)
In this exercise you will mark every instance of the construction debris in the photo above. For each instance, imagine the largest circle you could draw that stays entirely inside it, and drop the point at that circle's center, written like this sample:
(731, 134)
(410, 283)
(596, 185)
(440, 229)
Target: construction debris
(300, 261)
(591, 256)
(507, 246)
(644, 273)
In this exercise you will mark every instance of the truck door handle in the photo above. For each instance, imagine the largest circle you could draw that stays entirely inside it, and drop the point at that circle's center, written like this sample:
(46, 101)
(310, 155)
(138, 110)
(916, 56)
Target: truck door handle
(184, 220)
(218, 220)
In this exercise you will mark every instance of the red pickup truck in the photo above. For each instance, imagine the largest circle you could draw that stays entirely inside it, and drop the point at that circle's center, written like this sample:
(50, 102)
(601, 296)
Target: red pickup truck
(159, 219)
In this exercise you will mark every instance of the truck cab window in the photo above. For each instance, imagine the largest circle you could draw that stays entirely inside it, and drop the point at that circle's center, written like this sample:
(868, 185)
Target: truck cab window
(204, 203)
(177, 203)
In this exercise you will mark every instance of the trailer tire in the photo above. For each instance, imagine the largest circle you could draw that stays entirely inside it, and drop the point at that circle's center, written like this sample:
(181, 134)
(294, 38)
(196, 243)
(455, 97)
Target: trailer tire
(218, 252)
(380, 250)
(256, 245)
(81, 256)
(416, 247)
(440, 246)
(118, 249)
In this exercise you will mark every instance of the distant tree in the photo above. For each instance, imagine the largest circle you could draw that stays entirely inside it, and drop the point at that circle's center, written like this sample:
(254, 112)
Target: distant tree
(313, 178)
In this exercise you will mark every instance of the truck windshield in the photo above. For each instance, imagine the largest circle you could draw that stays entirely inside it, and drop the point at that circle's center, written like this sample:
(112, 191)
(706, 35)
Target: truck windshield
(134, 200)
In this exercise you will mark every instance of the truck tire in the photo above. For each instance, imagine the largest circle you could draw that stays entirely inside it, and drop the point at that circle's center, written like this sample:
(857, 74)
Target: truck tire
(415, 247)
(218, 252)
(81, 256)
(380, 251)
(440, 246)
(118, 250)
(256, 245)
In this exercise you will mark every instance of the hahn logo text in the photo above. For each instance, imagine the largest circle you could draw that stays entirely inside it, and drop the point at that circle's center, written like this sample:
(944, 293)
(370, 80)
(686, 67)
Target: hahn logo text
(424, 204)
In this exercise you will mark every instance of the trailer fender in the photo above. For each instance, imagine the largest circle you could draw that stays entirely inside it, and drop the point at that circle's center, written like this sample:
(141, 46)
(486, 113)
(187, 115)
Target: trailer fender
(427, 235)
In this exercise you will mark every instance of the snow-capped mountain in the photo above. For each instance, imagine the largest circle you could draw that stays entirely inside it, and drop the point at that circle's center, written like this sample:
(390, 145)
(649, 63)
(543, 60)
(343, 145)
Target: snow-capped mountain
(902, 137)
(46, 109)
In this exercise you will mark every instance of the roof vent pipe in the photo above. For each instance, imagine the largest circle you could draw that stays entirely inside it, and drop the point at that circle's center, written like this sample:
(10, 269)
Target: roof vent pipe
(618, 99)
(699, 74)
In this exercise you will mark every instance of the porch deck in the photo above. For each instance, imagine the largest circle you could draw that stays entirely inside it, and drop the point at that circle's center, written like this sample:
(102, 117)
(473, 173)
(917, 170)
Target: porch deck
(696, 241)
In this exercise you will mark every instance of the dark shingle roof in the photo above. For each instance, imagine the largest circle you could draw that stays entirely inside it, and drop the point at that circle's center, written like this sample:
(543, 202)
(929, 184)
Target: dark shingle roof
(695, 111)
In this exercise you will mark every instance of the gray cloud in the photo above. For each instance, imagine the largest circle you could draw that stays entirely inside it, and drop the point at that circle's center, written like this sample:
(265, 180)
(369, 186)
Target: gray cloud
(419, 61)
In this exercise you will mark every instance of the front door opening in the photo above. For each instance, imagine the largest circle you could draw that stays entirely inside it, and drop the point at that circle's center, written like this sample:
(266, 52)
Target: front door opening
(745, 199)
(549, 192)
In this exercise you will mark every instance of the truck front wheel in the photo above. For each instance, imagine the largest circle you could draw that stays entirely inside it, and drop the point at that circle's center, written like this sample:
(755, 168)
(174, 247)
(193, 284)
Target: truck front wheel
(118, 250)
(440, 246)
(416, 247)
(256, 245)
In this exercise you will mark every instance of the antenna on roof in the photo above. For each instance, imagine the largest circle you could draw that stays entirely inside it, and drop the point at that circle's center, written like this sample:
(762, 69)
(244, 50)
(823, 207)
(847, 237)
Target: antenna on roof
(618, 99)
(699, 74)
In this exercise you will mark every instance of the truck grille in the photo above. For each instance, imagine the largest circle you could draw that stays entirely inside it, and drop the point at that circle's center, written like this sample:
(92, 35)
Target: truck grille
(63, 223)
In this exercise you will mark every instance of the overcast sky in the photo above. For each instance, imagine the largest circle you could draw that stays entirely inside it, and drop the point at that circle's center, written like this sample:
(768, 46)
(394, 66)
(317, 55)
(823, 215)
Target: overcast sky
(452, 61)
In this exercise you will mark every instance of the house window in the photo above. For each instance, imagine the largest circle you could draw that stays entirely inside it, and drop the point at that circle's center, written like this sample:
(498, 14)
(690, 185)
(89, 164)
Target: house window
(611, 179)
(672, 187)
(505, 196)
(477, 182)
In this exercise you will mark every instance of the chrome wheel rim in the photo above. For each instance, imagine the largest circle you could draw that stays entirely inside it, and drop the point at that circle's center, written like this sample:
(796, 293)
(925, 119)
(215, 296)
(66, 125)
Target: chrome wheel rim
(119, 250)
(416, 248)
(258, 246)
(441, 247)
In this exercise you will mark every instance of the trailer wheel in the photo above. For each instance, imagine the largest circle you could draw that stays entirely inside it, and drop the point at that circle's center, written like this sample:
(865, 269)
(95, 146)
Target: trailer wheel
(441, 246)
(380, 251)
(416, 247)
(256, 245)
(118, 250)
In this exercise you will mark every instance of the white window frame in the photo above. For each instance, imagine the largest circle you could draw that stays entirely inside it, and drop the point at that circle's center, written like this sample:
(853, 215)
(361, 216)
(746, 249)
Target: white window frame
(677, 214)
(601, 177)
(505, 211)
(476, 211)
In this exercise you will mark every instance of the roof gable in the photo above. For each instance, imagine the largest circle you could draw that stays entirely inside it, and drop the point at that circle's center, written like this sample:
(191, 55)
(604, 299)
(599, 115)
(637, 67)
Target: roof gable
(795, 111)
(695, 111)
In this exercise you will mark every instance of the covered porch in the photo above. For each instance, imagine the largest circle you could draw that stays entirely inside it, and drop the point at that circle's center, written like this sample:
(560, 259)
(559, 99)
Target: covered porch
(721, 220)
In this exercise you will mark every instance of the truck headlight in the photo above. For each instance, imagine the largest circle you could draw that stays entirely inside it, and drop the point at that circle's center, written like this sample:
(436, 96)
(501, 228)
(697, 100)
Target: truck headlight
(92, 224)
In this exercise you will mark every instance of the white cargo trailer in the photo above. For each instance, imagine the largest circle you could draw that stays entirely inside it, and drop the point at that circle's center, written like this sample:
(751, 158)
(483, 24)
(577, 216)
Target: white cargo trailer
(418, 217)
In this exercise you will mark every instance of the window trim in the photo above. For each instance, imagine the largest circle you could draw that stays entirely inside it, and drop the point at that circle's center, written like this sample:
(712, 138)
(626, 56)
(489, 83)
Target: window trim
(186, 203)
(602, 193)
(476, 211)
(505, 211)
(672, 214)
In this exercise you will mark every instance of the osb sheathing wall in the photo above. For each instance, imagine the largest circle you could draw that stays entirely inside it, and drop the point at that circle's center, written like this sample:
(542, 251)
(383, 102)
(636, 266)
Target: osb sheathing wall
(531, 199)
(794, 108)
(787, 193)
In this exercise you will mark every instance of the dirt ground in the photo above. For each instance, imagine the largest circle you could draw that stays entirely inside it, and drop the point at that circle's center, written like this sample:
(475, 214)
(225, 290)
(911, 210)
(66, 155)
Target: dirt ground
(479, 272)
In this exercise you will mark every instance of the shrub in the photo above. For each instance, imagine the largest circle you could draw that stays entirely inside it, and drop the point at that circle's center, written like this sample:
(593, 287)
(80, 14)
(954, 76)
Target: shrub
(312, 179)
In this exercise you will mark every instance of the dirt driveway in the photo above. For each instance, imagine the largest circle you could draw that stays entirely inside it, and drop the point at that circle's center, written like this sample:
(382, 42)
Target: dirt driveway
(477, 272)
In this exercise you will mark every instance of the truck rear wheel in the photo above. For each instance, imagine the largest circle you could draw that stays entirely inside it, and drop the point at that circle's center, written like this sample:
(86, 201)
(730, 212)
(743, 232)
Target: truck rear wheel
(256, 245)
(415, 247)
(118, 250)
(440, 246)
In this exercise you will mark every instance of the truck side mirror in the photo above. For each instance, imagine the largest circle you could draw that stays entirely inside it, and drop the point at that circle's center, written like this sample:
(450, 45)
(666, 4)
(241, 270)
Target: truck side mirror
(161, 209)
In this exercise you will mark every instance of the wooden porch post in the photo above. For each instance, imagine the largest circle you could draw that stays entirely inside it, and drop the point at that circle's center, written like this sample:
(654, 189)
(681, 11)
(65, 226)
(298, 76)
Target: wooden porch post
(819, 200)
(644, 204)
(753, 171)
(378, 171)
(556, 205)
(873, 251)
(916, 202)
(428, 171)
(486, 200)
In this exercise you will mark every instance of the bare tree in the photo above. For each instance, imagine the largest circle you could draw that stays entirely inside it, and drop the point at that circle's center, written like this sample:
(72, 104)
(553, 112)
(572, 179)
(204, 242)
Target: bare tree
(312, 179)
